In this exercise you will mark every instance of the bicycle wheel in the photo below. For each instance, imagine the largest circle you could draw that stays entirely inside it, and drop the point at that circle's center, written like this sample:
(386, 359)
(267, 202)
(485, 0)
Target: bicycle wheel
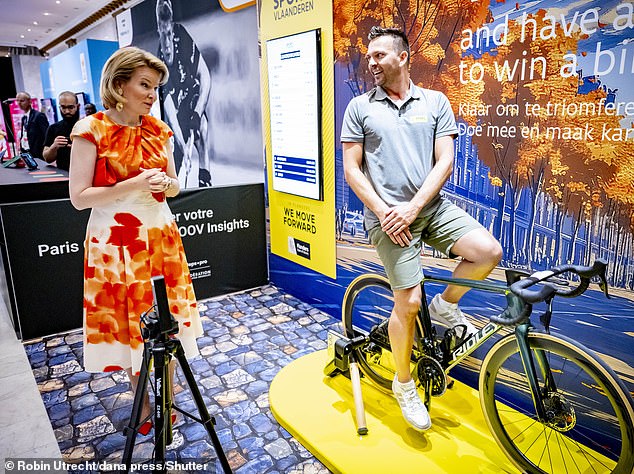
(591, 413)
(368, 302)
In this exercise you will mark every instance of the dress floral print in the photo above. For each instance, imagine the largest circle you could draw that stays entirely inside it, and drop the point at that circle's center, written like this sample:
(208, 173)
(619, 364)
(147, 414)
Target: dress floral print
(128, 242)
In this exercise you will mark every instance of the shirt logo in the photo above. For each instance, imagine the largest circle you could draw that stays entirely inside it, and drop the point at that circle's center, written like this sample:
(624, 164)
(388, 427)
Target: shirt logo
(417, 119)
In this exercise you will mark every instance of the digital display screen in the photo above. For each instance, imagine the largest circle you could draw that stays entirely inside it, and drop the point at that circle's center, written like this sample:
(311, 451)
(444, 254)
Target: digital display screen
(294, 70)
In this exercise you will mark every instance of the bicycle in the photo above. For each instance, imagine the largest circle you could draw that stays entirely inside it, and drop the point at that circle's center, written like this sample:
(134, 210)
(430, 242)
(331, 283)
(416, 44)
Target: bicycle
(551, 404)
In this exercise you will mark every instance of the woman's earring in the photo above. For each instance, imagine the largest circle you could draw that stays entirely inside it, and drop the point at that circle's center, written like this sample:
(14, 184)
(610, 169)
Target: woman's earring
(119, 104)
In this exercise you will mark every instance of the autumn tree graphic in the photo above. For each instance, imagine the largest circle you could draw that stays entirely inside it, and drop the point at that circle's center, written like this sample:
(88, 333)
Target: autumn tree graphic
(543, 141)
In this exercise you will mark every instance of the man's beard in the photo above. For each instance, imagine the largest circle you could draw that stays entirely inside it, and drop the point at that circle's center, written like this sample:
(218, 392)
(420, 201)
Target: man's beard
(71, 118)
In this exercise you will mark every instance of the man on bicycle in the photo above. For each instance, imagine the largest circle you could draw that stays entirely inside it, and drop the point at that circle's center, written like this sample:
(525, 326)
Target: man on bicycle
(398, 152)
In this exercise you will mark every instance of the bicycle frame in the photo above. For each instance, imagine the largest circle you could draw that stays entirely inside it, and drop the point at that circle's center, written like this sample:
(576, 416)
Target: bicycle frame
(475, 340)
(478, 338)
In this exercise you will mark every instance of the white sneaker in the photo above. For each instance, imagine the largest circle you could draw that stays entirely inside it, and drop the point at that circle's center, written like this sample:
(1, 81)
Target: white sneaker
(412, 407)
(448, 314)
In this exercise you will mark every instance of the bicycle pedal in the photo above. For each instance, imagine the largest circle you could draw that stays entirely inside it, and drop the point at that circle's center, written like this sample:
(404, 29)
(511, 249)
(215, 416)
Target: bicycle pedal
(380, 334)
(451, 340)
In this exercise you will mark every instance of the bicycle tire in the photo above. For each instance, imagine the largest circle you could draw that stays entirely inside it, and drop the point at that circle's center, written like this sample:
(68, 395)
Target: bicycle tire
(368, 301)
(596, 441)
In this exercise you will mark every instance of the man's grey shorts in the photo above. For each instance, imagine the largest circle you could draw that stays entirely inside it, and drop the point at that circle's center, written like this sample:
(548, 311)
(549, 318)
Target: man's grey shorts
(441, 226)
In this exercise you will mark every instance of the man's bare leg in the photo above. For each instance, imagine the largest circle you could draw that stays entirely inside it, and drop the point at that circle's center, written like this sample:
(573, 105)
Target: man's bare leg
(480, 254)
(401, 328)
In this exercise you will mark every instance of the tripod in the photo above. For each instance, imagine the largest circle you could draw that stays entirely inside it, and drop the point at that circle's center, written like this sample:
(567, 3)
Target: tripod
(159, 347)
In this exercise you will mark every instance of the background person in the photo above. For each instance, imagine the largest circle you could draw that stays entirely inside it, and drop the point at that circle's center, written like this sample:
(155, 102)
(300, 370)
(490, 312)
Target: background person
(397, 154)
(90, 108)
(32, 127)
(4, 146)
(185, 97)
(123, 168)
(57, 142)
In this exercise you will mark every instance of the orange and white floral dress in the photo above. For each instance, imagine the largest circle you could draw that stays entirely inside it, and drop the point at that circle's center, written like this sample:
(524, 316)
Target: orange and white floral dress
(128, 242)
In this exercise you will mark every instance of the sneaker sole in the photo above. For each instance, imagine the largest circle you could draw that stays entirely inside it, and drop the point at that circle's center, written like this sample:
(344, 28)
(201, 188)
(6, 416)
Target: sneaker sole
(417, 428)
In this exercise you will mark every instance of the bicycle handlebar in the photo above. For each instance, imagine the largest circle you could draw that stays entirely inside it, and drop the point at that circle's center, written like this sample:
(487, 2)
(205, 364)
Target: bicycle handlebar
(519, 290)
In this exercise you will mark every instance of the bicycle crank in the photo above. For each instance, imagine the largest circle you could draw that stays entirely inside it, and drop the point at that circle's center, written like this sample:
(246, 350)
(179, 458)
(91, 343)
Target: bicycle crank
(430, 371)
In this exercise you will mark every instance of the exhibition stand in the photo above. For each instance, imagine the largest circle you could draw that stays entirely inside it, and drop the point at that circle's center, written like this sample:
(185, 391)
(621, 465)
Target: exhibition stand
(32, 203)
(459, 439)
(45, 183)
(42, 237)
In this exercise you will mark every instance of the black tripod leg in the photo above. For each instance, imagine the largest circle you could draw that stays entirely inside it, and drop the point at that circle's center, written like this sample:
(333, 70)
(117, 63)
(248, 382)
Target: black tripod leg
(133, 425)
(208, 421)
(162, 429)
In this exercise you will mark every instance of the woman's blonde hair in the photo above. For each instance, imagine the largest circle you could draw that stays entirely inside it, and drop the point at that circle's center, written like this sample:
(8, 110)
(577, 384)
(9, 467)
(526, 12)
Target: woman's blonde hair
(119, 69)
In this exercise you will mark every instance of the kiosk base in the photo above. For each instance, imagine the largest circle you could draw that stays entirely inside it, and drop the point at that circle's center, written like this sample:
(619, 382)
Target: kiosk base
(319, 412)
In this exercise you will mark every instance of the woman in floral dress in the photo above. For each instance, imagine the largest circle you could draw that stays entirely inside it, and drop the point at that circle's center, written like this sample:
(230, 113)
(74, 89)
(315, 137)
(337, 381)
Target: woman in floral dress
(122, 168)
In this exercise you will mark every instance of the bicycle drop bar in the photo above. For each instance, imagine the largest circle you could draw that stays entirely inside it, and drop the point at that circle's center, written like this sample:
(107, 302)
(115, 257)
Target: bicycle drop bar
(520, 288)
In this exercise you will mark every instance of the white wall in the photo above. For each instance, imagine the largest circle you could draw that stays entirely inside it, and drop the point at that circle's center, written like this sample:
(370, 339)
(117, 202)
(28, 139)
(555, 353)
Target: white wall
(106, 29)
(26, 71)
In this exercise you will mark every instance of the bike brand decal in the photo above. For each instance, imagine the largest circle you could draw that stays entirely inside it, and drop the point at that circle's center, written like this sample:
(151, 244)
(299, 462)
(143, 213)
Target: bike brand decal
(474, 341)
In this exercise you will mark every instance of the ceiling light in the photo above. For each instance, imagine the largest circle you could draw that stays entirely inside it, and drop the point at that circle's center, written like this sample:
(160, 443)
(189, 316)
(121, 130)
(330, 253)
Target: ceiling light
(46, 13)
(35, 22)
(28, 29)
(58, 2)
(21, 36)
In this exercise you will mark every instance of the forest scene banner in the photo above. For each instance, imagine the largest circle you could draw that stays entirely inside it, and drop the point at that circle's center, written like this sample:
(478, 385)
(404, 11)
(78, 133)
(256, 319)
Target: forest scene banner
(545, 155)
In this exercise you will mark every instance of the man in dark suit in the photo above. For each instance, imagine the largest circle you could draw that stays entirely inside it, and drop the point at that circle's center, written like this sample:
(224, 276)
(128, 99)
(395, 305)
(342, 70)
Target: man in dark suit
(33, 127)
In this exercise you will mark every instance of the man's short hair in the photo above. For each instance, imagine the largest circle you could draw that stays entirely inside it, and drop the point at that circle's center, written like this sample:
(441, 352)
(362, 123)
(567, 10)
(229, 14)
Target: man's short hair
(68, 94)
(401, 43)
(164, 11)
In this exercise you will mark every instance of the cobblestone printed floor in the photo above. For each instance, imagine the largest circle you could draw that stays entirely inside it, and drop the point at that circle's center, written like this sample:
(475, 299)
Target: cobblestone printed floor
(248, 338)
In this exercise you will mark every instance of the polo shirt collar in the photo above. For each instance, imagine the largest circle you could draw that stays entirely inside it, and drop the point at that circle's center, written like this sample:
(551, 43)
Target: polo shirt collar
(412, 93)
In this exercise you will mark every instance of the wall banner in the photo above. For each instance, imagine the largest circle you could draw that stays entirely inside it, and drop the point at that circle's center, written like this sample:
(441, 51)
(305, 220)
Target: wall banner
(212, 98)
(222, 230)
(223, 233)
(302, 229)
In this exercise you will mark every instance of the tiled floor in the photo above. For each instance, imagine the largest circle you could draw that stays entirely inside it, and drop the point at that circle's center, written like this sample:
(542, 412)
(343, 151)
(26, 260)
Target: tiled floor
(22, 414)
(248, 338)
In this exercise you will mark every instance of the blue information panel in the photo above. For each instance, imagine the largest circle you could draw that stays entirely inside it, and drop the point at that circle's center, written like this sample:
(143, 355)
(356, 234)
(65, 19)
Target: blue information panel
(295, 104)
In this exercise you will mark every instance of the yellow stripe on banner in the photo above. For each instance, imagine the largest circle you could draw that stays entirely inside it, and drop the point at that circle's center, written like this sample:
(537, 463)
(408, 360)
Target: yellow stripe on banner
(318, 411)
(235, 5)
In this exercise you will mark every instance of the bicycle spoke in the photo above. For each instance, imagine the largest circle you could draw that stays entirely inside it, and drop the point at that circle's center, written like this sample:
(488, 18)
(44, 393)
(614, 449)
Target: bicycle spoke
(585, 454)
(561, 451)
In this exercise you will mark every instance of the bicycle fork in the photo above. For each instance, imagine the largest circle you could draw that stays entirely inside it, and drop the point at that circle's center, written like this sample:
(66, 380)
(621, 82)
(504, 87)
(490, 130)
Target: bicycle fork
(528, 361)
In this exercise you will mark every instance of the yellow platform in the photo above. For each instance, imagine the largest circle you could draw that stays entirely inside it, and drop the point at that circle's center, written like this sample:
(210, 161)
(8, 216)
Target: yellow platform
(319, 412)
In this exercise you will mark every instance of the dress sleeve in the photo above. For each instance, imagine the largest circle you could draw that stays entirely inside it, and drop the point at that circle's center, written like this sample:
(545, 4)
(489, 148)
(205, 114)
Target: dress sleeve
(84, 129)
(166, 131)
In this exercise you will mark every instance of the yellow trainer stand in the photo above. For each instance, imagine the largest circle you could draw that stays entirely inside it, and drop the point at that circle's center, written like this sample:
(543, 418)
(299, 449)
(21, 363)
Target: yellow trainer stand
(319, 412)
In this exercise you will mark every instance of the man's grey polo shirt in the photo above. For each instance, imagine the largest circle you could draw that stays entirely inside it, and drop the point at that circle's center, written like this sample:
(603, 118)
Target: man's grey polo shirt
(398, 142)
